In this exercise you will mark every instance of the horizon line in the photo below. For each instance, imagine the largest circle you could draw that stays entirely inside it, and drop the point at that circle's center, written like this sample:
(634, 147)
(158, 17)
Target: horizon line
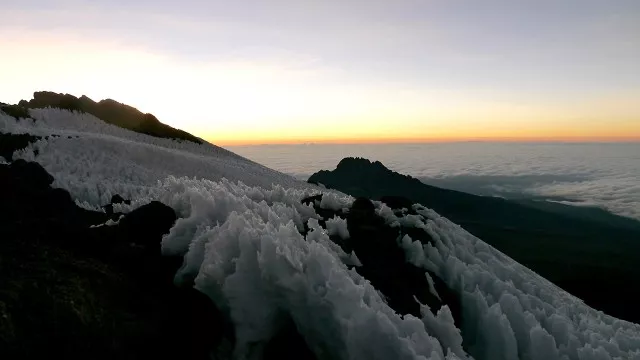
(576, 140)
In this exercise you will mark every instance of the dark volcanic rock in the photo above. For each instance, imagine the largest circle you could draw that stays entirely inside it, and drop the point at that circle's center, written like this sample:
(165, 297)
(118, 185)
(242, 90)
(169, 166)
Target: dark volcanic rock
(17, 111)
(150, 125)
(195, 323)
(109, 111)
(12, 142)
(28, 198)
(117, 199)
(397, 202)
(146, 225)
(42, 99)
(71, 291)
(29, 174)
(288, 344)
(311, 200)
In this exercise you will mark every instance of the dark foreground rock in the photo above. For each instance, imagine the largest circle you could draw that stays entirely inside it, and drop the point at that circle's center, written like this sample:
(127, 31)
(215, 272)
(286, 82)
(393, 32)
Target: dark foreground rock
(115, 199)
(69, 290)
(12, 142)
(145, 225)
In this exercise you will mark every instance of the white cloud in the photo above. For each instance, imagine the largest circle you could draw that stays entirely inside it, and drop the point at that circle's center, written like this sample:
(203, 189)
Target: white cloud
(620, 195)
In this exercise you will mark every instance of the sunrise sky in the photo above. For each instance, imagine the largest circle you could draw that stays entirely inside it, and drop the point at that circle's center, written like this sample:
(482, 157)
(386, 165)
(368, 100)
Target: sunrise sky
(279, 71)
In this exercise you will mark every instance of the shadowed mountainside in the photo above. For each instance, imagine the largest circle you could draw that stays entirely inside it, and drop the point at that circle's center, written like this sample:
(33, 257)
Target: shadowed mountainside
(74, 290)
(574, 252)
(81, 284)
(107, 110)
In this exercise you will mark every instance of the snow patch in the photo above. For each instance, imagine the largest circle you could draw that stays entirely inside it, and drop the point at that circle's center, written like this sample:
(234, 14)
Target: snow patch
(338, 226)
(335, 202)
(109, 222)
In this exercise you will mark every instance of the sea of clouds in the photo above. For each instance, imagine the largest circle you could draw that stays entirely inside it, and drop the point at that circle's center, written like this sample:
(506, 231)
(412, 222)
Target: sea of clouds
(606, 175)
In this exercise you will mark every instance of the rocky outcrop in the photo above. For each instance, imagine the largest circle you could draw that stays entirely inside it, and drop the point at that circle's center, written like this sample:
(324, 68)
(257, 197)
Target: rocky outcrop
(17, 111)
(109, 111)
(73, 287)
(115, 199)
(12, 142)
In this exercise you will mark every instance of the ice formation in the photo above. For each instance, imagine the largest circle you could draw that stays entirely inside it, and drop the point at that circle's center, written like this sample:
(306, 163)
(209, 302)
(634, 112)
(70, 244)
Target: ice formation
(241, 234)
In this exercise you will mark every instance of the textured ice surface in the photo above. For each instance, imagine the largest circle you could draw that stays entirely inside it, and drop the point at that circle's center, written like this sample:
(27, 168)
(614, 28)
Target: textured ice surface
(240, 234)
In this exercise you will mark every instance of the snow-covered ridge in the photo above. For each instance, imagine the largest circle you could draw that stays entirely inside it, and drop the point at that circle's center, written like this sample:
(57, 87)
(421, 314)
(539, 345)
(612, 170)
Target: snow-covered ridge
(240, 234)
(127, 161)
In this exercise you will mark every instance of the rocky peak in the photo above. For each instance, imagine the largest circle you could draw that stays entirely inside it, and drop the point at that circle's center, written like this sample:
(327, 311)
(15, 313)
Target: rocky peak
(107, 110)
(358, 163)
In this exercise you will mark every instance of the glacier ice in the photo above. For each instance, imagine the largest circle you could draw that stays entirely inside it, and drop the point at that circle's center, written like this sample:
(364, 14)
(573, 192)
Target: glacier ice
(242, 235)
(338, 226)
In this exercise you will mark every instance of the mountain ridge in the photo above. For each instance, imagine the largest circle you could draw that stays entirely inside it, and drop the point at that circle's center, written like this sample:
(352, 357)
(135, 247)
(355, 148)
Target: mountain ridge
(110, 111)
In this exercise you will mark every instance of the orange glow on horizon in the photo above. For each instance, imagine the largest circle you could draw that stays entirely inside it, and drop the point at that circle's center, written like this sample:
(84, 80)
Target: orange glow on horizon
(426, 140)
(248, 102)
(508, 129)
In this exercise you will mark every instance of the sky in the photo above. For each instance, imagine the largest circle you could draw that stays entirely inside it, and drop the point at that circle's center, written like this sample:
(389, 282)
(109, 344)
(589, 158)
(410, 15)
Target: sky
(289, 71)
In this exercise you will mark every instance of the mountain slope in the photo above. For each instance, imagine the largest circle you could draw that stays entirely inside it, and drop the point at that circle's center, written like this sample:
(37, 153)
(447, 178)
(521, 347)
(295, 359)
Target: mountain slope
(569, 251)
(330, 276)
(589, 213)
(130, 160)
(110, 111)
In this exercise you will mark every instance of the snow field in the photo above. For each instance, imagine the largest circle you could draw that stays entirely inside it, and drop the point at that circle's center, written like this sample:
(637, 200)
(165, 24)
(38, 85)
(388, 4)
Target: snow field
(240, 234)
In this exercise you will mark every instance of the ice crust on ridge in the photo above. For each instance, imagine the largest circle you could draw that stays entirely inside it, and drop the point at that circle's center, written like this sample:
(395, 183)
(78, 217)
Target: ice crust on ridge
(129, 163)
(240, 234)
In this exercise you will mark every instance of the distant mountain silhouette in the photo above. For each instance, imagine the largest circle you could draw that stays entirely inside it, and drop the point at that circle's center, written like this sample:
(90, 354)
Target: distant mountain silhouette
(108, 110)
(573, 249)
